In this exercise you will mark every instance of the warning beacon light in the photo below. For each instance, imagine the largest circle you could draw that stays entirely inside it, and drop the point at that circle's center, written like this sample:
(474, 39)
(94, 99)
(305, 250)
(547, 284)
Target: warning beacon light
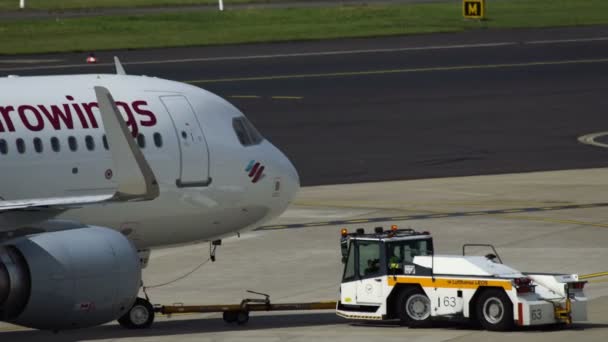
(91, 59)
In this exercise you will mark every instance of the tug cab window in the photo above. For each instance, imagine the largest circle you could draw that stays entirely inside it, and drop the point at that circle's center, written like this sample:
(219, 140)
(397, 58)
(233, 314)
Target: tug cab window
(349, 265)
(402, 253)
(363, 260)
(369, 258)
(245, 131)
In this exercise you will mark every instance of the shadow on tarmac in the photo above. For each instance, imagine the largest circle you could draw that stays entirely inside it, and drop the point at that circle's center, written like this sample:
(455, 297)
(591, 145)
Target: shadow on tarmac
(175, 327)
(467, 325)
(178, 326)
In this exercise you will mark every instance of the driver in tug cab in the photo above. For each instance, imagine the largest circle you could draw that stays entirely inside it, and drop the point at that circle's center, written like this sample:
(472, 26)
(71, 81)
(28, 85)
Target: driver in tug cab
(394, 263)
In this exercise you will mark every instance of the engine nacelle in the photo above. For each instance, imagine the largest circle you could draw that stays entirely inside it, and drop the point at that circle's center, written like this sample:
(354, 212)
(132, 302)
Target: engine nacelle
(68, 279)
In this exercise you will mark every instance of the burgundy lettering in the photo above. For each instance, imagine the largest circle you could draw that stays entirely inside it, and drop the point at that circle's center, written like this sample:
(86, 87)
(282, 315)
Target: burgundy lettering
(81, 117)
(130, 118)
(88, 108)
(5, 111)
(63, 116)
(56, 116)
(141, 111)
(26, 119)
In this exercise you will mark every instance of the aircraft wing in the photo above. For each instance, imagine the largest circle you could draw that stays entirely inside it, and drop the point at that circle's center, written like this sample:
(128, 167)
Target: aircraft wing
(136, 181)
(54, 202)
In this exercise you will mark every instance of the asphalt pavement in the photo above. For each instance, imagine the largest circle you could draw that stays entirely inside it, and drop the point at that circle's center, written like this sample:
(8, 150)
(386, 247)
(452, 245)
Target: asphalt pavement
(425, 106)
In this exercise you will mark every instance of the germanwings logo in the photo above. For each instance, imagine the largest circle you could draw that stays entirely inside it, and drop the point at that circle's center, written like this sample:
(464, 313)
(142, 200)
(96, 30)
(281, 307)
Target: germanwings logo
(70, 115)
(256, 171)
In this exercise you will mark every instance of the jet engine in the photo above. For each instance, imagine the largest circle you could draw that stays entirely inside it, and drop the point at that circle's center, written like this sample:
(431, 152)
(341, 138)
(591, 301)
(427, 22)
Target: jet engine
(68, 279)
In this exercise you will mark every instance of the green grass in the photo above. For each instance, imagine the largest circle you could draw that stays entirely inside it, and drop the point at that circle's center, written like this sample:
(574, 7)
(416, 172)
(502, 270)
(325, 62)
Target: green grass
(88, 4)
(212, 27)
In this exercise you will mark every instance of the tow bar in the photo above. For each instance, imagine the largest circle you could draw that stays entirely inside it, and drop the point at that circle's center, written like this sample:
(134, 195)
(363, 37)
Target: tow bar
(239, 313)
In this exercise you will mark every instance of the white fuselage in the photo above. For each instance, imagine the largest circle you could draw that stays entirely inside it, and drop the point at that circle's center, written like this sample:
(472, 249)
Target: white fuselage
(211, 185)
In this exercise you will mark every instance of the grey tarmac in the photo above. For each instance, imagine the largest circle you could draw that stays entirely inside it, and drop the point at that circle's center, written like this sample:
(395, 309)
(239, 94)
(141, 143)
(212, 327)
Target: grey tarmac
(304, 265)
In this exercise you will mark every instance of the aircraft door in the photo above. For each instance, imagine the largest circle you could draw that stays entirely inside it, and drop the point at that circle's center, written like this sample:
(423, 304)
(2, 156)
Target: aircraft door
(194, 152)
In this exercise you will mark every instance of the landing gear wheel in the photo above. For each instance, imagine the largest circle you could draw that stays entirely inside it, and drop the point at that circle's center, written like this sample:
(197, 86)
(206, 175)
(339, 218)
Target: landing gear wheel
(242, 317)
(140, 316)
(414, 308)
(230, 316)
(494, 310)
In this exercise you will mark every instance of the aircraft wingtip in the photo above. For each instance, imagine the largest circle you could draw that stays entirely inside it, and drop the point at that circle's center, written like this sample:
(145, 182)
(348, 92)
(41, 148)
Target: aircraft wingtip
(120, 70)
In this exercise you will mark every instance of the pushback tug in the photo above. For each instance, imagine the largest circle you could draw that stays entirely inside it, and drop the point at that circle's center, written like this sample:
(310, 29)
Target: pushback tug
(395, 274)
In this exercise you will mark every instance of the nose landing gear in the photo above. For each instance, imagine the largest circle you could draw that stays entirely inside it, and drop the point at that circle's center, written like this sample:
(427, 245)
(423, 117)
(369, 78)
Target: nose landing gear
(140, 316)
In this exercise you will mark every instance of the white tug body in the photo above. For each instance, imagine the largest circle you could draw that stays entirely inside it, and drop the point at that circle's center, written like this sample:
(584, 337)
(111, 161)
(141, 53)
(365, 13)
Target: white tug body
(395, 275)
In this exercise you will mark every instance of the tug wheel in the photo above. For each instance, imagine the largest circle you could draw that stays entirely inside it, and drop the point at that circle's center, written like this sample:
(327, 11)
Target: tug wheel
(414, 308)
(494, 310)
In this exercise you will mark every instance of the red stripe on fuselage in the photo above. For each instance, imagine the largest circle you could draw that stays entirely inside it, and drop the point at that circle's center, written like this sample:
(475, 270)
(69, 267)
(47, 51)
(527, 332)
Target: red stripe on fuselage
(258, 175)
(254, 169)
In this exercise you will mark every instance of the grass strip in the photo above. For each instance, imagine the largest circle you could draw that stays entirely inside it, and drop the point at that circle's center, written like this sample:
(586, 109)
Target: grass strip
(266, 25)
(58, 5)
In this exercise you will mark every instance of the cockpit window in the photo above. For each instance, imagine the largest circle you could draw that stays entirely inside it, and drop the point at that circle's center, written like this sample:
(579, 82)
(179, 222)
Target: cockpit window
(245, 131)
(254, 134)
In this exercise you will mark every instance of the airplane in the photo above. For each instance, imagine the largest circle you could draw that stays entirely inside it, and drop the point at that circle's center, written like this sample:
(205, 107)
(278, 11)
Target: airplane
(98, 169)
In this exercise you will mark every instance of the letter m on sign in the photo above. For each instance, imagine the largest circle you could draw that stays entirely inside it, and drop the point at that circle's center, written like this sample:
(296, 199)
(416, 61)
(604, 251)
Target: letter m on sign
(473, 8)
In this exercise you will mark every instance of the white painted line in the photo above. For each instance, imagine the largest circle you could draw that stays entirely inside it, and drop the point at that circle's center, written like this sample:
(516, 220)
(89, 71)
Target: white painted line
(313, 54)
(270, 56)
(560, 41)
(29, 61)
(589, 139)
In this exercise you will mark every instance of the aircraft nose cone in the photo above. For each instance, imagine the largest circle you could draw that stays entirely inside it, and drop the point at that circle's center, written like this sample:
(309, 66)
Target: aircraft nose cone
(292, 177)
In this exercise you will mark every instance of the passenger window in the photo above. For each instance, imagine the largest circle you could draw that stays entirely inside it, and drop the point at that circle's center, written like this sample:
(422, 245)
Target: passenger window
(88, 140)
(72, 143)
(55, 145)
(158, 140)
(38, 145)
(141, 141)
(20, 146)
(104, 139)
(369, 258)
(3, 146)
